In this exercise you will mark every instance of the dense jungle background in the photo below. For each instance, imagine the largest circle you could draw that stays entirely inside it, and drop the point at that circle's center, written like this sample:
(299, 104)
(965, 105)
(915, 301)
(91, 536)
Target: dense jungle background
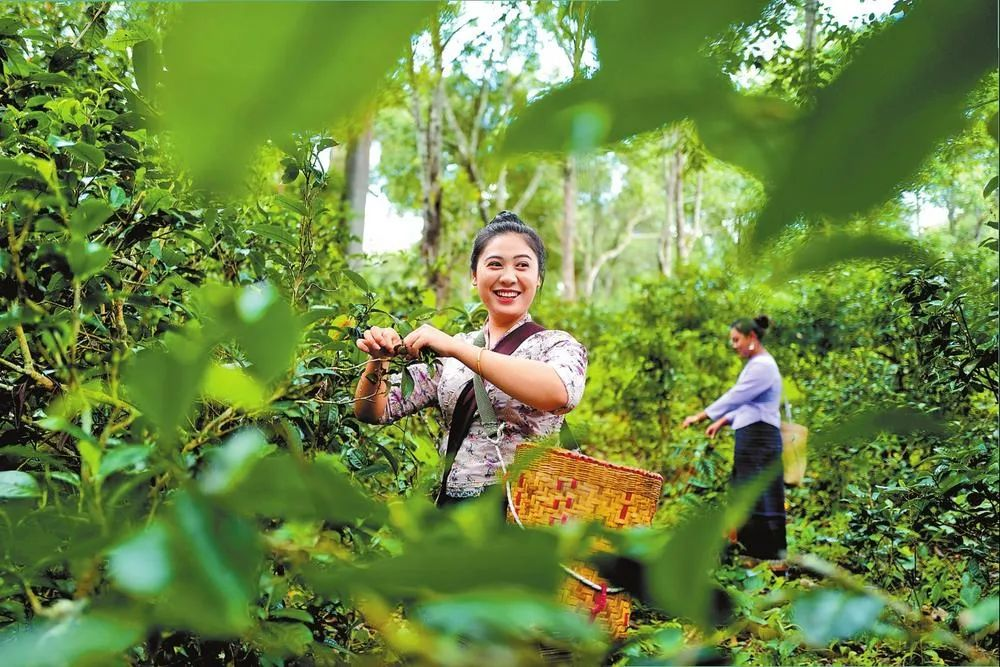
(186, 257)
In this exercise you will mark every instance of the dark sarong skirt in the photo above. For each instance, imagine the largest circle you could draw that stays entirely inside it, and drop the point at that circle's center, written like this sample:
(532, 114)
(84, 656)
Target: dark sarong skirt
(757, 446)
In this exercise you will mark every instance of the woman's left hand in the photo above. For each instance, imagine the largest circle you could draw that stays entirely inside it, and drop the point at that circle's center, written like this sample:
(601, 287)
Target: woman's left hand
(716, 426)
(425, 336)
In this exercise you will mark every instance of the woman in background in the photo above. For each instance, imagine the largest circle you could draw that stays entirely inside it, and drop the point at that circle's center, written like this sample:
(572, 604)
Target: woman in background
(751, 406)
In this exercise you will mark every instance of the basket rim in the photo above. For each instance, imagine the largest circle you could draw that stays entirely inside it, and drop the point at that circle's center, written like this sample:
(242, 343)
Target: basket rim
(576, 456)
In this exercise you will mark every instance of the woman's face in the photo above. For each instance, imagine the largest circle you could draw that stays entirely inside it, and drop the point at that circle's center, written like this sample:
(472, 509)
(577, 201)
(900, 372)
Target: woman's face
(741, 342)
(507, 277)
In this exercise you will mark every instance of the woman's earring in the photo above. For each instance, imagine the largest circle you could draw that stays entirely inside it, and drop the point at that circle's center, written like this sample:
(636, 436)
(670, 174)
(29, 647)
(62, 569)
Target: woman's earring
(751, 346)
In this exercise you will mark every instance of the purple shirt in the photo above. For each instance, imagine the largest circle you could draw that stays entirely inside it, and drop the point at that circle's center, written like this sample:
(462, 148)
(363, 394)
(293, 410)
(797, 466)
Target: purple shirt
(477, 465)
(756, 396)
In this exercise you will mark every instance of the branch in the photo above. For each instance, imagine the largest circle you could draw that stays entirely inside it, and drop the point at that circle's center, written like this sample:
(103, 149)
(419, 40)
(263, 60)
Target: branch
(623, 242)
(32, 373)
(529, 191)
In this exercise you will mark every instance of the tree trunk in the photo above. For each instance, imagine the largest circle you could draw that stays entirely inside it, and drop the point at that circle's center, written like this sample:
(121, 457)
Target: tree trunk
(680, 256)
(569, 230)
(357, 170)
(429, 148)
(663, 254)
(699, 192)
(809, 41)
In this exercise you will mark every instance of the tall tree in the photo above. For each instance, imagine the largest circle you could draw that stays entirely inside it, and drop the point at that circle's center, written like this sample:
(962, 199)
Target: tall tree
(357, 170)
(570, 24)
(427, 123)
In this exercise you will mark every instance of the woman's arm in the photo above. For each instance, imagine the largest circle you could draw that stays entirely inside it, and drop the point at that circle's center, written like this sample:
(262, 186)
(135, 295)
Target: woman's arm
(531, 382)
(370, 396)
(534, 383)
(753, 381)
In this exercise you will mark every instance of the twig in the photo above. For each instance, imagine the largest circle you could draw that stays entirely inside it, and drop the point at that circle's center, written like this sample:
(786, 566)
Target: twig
(32, 373)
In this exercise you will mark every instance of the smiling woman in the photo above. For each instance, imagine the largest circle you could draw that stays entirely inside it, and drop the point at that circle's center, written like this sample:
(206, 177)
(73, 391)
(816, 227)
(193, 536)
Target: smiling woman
(532, 376)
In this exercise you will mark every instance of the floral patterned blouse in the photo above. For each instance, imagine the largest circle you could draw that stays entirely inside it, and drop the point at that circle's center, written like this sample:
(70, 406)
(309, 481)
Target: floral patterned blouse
(476, 465)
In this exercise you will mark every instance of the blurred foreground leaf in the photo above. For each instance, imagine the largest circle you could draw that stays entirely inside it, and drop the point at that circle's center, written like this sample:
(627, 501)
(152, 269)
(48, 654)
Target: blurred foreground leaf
(97, 637)
(282, 486)
(869, 132)
(527, 560)
(822, 252)
(507, 616)
(239, 74)
(163, 382)
(197, 565)
(17, 484)
(870, 423)
(826, 615)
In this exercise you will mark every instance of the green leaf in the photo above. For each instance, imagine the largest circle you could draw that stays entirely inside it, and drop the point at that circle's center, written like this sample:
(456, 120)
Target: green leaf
(89, 153)
(510, 616)
(819, 253)
(270, 331)
(142, 564)
(12, 171)
(206, 79)
(527, 560)
(117, 197)
(984, 614)
(147, 63)
(406, 383)
(649, 79)
(198, 564)
(285, 487)
(123, 458)
(275, 233)
(282, 640)
(125, 38)
(869, 132)
(991, 187)
(86, 258)
(869, 423)
(18, 484)
(357, 279)
(567, 439)
(229, 464)
(827, 615)
(233, 386)
(89, 215)
(163, 383)
(95, 637)
(291, 205)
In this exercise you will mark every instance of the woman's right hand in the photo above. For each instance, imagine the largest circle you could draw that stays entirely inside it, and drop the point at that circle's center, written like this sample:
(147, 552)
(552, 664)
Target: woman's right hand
(693, 419)
(381, 343)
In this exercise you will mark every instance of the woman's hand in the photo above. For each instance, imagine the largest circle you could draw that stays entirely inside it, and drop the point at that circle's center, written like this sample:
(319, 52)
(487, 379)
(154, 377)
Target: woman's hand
(693, 419)
(380, 343)
(715, 427)
(427, 337)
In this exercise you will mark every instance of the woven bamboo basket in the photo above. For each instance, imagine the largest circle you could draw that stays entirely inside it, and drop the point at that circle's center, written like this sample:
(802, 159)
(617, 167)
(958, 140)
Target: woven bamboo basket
(793, 452)
(561, 485)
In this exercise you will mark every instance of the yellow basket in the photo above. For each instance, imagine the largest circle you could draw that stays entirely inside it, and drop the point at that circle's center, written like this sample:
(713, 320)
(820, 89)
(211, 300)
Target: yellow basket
(793, 452)
(561, 485)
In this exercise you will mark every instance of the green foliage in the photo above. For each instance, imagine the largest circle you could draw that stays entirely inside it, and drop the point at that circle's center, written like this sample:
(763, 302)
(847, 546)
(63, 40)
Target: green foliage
(300, 88)
(183, 475)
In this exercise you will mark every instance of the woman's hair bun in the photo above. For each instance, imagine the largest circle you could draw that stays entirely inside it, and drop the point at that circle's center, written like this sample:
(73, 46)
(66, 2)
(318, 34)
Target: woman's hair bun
(506, 216)
(763, 321)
